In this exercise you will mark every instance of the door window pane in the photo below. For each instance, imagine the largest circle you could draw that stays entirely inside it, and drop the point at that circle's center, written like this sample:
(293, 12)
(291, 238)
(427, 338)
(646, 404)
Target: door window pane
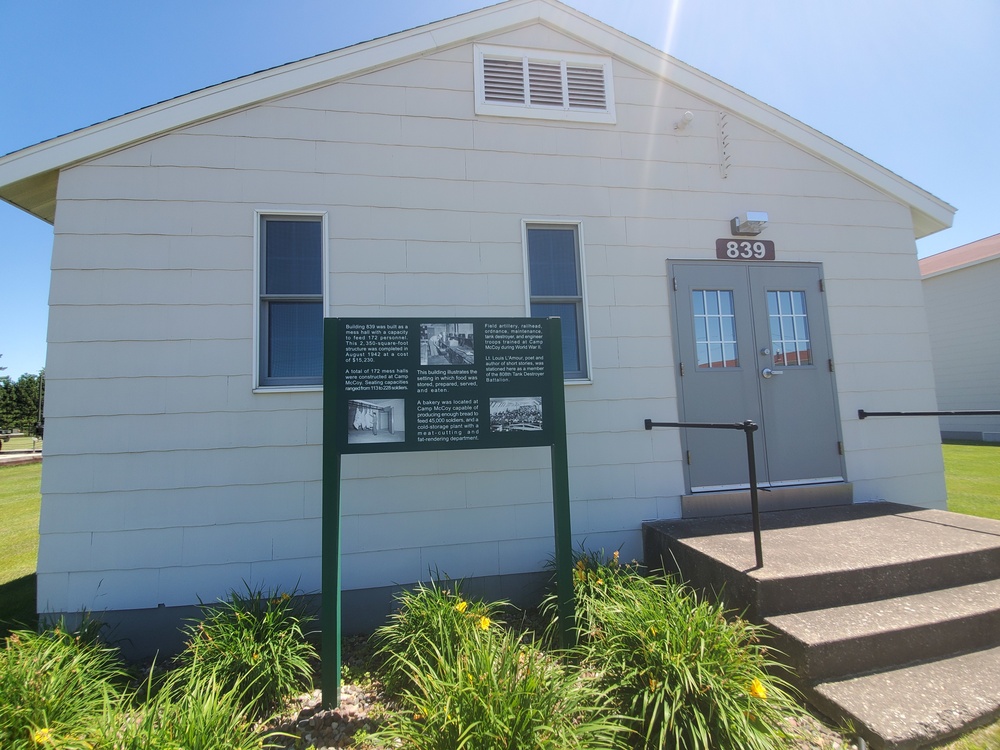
(714, 328)
(789, 324)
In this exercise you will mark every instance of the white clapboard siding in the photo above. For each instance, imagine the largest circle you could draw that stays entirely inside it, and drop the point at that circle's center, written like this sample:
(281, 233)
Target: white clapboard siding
(167, 479)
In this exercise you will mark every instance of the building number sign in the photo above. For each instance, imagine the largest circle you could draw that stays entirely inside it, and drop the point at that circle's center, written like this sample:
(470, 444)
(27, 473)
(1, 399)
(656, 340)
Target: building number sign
(730, 249)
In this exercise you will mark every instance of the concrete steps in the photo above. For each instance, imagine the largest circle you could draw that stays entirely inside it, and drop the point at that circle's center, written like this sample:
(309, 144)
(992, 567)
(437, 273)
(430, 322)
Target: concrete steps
(854, 638)
(889, 615)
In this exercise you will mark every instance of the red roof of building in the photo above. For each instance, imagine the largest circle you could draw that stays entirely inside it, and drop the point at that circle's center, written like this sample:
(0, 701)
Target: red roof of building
(962, 256)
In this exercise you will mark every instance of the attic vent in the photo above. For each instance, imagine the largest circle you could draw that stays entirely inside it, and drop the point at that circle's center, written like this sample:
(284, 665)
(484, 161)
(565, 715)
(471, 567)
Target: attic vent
(523, 83)
(504, 80)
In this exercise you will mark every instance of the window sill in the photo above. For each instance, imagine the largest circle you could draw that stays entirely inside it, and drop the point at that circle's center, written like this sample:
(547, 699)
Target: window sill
(288, 389)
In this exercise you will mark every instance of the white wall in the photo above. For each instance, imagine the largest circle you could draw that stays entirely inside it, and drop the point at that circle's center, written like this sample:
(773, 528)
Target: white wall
(167, 478)
(963, 311)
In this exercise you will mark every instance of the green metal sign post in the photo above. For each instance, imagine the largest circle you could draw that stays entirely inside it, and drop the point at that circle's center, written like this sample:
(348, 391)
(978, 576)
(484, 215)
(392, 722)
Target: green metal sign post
(417, 384)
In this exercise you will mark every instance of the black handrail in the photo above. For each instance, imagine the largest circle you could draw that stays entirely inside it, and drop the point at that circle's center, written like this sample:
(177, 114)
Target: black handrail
(749, 428)
(862, 414)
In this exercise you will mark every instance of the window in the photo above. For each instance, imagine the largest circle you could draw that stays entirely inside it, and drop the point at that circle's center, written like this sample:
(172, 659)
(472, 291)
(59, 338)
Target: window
(526, 83)
(714, 328)
(555, 288)
(786, 312)
(290, 312)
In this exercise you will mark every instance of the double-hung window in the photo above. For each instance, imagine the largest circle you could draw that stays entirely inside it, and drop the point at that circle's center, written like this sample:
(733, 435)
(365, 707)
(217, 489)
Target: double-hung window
(555, 288)
(290, 300)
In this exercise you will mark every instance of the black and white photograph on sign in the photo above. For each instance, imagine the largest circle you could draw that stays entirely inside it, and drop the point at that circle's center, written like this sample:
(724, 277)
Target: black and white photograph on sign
(446, 344)
(516, 414)
(376, 420)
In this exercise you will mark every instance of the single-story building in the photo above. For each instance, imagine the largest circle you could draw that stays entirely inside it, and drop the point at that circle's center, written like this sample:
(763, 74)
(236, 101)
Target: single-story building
(963, 315)
(711, 259)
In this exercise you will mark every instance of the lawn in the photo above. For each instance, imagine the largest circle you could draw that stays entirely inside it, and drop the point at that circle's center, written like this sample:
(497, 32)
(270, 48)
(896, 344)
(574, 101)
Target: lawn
(972, 471)
(25, 443)
(20, 498)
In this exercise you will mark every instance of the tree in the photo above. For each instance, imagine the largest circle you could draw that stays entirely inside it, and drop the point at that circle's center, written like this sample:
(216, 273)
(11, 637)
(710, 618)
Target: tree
(21, 401)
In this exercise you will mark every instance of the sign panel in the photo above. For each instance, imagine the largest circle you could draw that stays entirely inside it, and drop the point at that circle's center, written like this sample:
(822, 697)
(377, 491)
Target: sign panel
(730, 249)
(410, 384)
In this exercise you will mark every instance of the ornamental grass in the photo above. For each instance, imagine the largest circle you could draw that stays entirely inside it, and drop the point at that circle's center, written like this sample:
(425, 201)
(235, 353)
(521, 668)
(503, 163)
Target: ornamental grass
(683, 673)
(471, 683)
(253, 641)
(53, 686)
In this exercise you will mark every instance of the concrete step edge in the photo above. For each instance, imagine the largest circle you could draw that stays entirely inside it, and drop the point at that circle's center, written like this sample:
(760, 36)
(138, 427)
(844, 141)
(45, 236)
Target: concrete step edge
(779, 596)
(917, 704)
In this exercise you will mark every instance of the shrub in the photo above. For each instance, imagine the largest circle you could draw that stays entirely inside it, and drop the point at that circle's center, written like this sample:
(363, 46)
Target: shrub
(433, 616)
(595, 578)
(685, 675)
(53, 685)
(483, 688)
(194, 711)
(254, 642)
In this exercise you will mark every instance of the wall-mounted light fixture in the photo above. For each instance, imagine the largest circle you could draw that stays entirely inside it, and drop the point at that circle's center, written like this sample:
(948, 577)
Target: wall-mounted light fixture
(685, 120)
(749, 224)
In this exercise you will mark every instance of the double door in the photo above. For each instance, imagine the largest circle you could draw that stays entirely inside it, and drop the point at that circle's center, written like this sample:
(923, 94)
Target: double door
(752, 343)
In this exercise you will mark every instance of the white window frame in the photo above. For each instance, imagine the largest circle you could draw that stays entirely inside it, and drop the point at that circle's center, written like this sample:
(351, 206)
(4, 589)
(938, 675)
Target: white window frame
(583, 335)
(258, 269)
(544, 112)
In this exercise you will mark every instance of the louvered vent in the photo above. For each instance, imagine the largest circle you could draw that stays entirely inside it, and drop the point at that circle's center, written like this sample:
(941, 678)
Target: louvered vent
(545, 84)
(503, 80)
(585, 87)
(523, 83)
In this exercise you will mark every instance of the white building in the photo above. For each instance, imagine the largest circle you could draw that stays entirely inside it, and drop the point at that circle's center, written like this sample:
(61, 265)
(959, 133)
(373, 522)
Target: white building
(963, 314)
(517, 156)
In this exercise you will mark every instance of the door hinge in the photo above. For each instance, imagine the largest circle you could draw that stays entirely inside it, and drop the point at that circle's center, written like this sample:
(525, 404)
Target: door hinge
(829, 364)
(840, 448)
(688, 457)
(675, 283)
(680, 365)
(821, 287)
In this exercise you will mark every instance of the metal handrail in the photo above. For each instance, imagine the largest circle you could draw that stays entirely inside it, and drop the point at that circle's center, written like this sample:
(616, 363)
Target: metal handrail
(749, 428)
(862, 414)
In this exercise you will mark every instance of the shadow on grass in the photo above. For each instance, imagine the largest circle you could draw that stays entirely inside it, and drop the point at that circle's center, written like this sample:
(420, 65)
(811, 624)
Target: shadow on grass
(17, 605)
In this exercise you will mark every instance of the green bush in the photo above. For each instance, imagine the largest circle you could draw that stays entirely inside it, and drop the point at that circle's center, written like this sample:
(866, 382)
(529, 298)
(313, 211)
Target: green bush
(595, 577)
(53, 686)
(193, 711)
(255, 642)
(684, 675)
(433, 616)
(473, 684)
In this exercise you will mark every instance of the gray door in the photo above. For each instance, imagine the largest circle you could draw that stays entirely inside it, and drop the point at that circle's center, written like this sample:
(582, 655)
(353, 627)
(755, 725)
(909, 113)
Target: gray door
(752, 343)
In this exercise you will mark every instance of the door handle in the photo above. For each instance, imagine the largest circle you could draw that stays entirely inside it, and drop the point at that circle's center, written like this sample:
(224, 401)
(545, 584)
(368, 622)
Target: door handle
(767, 372)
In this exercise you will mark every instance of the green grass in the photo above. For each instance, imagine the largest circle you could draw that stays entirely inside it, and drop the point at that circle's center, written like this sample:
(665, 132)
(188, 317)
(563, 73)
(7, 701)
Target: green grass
(20, 444)
(20, 500)
(972, 471)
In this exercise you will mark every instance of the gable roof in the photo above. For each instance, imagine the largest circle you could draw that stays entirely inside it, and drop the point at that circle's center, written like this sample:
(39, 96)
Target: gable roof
(29, 177)
(963, 256)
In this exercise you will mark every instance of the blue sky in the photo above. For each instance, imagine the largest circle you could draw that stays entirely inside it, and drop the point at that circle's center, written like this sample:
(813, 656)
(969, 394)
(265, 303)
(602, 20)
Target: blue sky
(911, 85)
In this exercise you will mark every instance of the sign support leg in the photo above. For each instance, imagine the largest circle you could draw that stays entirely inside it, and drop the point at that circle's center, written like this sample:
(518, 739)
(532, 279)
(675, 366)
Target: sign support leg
(560, 493)
(330, 621)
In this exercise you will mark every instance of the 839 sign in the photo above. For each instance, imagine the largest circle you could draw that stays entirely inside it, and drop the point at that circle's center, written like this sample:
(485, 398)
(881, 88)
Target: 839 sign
(730, 249)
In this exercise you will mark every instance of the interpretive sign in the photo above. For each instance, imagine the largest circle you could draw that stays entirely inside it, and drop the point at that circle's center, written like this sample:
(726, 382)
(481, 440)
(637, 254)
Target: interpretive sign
(435, 383)
(442, 384)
